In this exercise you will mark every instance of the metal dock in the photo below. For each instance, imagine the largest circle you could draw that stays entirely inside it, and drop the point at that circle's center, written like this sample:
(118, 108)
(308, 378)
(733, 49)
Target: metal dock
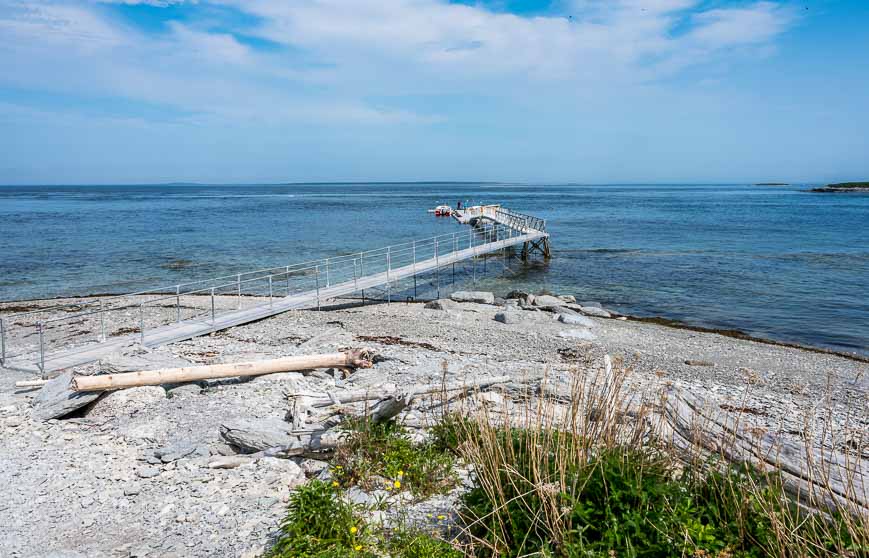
(62, 336)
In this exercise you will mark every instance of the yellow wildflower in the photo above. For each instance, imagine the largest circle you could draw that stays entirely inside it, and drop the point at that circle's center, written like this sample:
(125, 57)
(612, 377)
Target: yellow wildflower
(353, 530)
(358, 547)
(397, 484)
(441, 517)
(335, 483)
(401, 473)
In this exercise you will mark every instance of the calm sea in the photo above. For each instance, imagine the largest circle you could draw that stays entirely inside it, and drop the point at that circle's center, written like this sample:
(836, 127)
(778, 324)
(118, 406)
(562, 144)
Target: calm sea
(775, 262)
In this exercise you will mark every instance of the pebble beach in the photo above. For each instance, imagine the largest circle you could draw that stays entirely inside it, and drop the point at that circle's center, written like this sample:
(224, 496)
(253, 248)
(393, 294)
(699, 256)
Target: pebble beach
(129, 475)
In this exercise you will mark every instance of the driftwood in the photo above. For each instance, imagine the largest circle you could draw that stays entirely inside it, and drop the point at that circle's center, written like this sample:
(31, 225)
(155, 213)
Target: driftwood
(411, 392)
(357, 358)
(815, 476)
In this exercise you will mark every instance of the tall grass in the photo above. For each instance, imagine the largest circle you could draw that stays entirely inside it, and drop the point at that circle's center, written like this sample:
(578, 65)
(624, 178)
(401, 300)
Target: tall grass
(586, 475)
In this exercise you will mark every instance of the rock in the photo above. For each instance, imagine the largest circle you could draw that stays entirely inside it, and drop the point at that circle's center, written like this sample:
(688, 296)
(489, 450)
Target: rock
(229, 462)
(548, 301)
(56, 399)
(312, 467)
(185, 390)
(127, 401)
(256, 435)
(131, 490)
(579, 334)
(499, 301)
(699, 363)
(568, 298)
(591, 304)
(480, 297)
(147, 472)
(181, 450)
(575, 319)
(598, 312)
(559, 310)
(521, 295)
(442, 304)
(510, 317)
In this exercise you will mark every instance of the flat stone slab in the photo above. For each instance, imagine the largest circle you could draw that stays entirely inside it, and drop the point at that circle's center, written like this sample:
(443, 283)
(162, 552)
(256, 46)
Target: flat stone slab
(256, 435)
(56, 399)
(597, 312)
(480, 297)
(548, 300)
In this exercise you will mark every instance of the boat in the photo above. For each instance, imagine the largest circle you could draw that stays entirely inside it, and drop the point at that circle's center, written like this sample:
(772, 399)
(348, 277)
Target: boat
(442, 211)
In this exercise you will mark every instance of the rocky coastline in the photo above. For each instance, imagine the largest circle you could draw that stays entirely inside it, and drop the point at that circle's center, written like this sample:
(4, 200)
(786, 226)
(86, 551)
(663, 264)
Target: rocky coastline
(129, 474)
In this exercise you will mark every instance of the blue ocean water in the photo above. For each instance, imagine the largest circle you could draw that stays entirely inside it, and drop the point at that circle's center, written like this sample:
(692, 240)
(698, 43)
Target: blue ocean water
(775, 262)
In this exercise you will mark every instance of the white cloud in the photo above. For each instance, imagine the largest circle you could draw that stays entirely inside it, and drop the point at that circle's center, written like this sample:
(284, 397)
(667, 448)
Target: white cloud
(344, 53)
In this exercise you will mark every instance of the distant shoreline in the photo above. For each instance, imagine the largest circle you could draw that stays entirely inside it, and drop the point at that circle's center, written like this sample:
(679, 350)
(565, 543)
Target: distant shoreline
(843, 187)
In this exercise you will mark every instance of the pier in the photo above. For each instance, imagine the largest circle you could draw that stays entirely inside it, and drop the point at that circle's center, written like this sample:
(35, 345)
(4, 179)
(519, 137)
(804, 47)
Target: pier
(61, 336)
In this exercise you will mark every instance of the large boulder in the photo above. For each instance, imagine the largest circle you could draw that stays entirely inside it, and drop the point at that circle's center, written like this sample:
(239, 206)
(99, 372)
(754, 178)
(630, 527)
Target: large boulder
(56, 399)
(442, 304)
(510, 316)
(520, 295)
(548, 301)
(480, 297)
(568, 298)
(256, 435)
(598, 312)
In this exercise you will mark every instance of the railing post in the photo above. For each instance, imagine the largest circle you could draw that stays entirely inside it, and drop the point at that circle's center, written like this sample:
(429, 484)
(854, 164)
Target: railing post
(413, 251)
(388, 266)
(317, 279)
(142, 324)
(178, 304)
(41, 348)
(2, 342)
(238, 288)
(327, 273)
(102, 323)
(288, 280)
(437, 268)
(355, 276)
(270, 291)
(212, 305)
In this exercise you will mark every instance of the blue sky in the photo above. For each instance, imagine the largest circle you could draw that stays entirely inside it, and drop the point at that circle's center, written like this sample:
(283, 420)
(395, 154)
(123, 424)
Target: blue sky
(606, 91)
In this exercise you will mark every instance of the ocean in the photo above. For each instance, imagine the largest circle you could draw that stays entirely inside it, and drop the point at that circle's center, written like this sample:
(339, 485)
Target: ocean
(776, 262)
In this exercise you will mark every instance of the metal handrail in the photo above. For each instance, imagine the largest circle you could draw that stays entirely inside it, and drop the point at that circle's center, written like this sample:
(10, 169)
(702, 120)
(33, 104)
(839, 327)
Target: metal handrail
(297, 278)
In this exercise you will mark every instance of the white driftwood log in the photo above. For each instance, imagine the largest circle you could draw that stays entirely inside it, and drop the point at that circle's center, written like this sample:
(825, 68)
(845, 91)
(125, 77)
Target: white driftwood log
(356, 358)
(816, 476)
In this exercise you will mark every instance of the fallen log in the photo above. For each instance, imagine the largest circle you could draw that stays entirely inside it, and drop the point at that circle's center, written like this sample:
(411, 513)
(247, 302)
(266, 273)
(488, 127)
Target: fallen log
(31, 383)
(815, 476)
(356, 358)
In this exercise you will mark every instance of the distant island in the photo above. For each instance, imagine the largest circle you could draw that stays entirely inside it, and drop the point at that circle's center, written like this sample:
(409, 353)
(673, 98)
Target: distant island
(772, 184)
(844, 187)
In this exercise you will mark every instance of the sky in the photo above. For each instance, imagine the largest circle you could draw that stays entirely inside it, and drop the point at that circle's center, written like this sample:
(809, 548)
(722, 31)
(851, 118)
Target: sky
(588, 91)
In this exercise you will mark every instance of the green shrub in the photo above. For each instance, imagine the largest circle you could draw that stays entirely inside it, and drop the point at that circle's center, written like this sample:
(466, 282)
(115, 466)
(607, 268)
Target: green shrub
(384, 451)
(319, 524)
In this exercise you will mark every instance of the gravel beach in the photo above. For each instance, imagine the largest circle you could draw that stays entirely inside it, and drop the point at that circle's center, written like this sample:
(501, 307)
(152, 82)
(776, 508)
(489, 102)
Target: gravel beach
(128, 475)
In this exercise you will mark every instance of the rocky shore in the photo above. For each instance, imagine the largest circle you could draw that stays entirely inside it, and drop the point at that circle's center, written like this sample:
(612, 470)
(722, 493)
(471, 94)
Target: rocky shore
(131, 474)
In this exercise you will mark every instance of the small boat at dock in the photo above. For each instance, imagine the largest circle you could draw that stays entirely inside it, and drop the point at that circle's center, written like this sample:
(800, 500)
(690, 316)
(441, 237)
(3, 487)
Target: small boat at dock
(442, 211)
